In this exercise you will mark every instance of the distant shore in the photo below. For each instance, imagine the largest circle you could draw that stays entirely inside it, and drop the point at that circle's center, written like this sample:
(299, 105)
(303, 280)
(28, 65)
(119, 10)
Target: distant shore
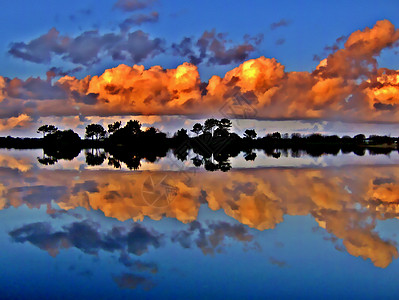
(212, 143)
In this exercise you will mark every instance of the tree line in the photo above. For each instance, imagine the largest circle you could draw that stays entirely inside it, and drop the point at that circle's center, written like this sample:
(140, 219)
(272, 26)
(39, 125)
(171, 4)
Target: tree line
(212, 143)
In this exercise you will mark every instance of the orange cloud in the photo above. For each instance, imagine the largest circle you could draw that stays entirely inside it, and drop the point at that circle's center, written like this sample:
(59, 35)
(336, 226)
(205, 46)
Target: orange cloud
(256, 198)
(271, 91)
(383, 90)
(347, 85)
(359, 239)
(21, 121)
(22, 164)
(2, 87)
(127, 89)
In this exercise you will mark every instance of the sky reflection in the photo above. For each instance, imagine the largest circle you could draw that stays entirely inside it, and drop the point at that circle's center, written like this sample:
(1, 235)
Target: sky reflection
(251, 229)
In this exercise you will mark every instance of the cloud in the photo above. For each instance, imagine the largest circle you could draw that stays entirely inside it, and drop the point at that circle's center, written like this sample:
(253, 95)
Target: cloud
(137, 20)
(81, 13)
(357, 58)
(345, 86)
(22, 164)
(41, 49)
(214, 49)
(35, 196)
(55, 72)
(87, 237)
(21, 121)
(139, 240)
(39, 234)
(89, 185)
(280, 42)
(132, 5)
(2, 86)
(210, 239)
(260, 201)
(33, 89)
(88, 48)
(281, 23)
(132, 281)
(358, 237)
(278, 263)
(136, 265)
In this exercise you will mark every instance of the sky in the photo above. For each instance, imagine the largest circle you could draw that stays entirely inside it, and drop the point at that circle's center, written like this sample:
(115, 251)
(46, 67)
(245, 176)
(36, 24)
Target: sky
(309, 61)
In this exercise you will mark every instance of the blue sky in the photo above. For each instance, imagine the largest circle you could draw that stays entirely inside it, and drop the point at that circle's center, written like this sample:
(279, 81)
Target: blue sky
(268, 53)
(308, 27)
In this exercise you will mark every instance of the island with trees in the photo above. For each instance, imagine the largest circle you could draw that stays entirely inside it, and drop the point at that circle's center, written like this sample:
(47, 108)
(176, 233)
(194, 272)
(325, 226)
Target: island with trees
(212, 144)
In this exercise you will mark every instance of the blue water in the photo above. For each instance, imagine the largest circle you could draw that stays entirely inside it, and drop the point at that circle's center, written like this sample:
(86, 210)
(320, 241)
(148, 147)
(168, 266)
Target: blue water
(292, 232)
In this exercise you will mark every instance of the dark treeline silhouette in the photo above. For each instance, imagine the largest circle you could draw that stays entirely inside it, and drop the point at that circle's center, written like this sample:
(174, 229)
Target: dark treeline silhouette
(211, 145)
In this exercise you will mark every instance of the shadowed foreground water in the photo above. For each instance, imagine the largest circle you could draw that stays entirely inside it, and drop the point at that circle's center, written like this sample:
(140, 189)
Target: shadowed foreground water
(302, 230)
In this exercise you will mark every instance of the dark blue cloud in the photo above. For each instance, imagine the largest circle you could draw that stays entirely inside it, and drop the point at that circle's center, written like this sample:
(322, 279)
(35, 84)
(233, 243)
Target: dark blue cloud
(87, 237)
(88, 48)
(137, 20)
(132, 5)
(132, 281)
(215, 49)
(281, 23)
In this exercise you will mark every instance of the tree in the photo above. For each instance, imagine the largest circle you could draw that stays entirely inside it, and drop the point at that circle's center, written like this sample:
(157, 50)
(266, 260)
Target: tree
(250, 156)
(95, 159)
(209, 124)
(197, 161)
(359, 138)
(47, 129)
(223, 129)
(114, 127)
(197, 128)
(296, 136)
(133, 126)
(250, 134)
(221, 132)
(151, 131)
(276, 135)
(95, 130)
(181, 134)
(225, 124)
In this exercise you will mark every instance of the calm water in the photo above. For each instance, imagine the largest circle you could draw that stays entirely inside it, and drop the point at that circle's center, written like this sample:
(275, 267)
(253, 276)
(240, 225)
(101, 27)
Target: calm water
(291, 227)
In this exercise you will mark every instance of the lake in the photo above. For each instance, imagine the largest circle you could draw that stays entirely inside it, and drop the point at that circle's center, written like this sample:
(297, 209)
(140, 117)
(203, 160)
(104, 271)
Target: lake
(289, 226)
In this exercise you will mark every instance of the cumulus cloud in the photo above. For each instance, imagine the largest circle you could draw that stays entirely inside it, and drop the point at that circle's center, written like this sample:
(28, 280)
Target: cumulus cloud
(137, 20)
(88, 48)
(22, 164)
(358, 236)
(41, 49)
(358, 57)
(345, 86)
(132, 5)
(254, 198)
(211, 239)
(21, 121)
(55, 72)
(33, 88)
(35, 196)
(87, 237)
(2, 86)
(215, 49)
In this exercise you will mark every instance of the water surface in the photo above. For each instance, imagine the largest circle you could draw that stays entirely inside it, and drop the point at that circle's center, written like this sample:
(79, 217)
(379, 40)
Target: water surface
(302, 227)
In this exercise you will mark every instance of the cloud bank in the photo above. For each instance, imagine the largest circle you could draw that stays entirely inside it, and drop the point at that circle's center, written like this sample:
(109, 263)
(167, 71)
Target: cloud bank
(347, 204)
(347, 85)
